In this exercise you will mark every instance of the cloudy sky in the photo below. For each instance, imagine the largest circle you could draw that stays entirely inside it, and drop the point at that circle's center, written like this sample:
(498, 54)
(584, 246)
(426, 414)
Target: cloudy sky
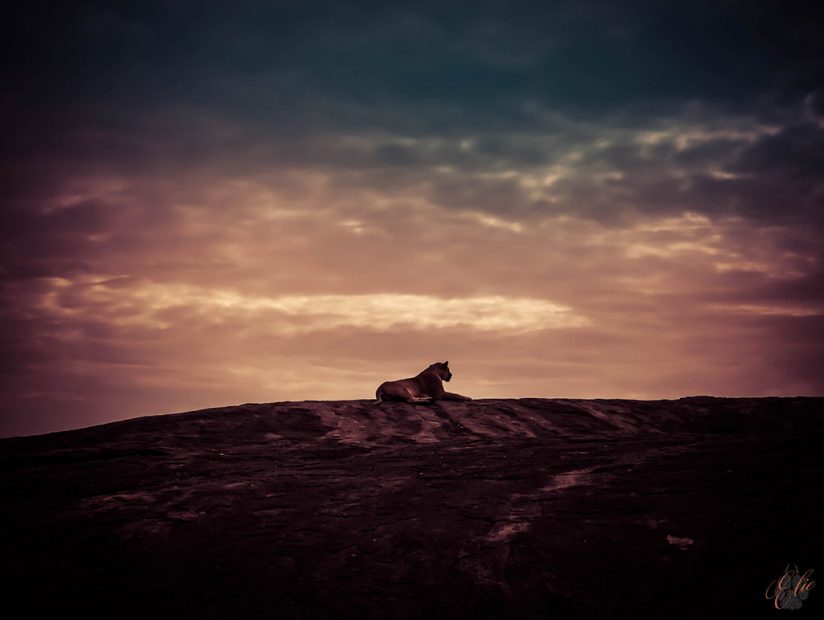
(211, 203)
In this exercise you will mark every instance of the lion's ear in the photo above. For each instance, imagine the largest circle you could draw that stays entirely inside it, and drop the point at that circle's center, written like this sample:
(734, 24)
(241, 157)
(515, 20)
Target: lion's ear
(446, 363)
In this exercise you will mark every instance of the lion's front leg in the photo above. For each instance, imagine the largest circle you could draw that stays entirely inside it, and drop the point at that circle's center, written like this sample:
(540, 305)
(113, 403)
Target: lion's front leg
(420, 399)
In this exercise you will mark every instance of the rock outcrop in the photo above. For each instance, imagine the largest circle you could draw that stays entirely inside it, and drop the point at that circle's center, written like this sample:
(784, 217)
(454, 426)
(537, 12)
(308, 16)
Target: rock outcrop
(490, 508)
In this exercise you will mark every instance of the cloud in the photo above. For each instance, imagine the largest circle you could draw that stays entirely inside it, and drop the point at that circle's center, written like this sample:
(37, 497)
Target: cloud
(158, 306)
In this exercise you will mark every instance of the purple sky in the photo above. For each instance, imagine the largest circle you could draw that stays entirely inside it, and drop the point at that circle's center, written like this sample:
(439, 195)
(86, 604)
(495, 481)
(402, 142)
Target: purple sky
(215, 203)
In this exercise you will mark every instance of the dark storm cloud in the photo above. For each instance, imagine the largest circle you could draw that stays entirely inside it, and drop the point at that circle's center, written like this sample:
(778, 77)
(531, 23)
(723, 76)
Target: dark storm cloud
(262, 61)
(176, 84)
(243, 88)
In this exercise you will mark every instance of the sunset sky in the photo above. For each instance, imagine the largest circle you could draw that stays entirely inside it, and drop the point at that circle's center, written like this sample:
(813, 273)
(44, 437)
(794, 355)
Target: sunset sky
(212, 203)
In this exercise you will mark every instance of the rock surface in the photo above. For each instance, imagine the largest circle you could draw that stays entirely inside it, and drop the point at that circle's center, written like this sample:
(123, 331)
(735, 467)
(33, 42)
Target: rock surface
(490, 508)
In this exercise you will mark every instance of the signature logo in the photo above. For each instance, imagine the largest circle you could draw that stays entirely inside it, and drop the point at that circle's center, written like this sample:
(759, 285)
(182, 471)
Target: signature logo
(791, 589)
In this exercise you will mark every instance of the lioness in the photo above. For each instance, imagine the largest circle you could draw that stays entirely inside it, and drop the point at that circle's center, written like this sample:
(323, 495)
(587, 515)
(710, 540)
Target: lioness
(426, 386)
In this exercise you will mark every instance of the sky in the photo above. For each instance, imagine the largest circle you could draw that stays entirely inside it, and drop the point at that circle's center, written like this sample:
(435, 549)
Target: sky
(212, 203)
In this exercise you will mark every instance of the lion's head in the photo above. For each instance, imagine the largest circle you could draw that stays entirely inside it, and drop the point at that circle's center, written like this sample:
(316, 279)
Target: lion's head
(441, 369)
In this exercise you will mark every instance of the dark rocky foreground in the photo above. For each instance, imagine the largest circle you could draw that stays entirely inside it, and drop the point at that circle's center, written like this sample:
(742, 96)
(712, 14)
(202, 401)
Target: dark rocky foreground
(492, 508)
